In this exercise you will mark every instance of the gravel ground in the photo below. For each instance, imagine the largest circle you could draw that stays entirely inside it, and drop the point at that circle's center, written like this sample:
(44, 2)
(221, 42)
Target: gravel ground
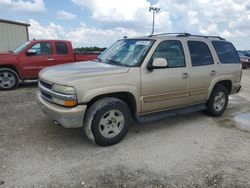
(191, 150)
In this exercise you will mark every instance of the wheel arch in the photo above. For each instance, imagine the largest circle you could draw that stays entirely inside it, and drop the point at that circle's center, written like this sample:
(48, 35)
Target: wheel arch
(227, 83)
(126, 97)
(12, 68)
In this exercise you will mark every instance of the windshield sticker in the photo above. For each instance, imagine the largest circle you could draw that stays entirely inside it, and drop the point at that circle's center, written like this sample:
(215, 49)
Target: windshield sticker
(142, 43)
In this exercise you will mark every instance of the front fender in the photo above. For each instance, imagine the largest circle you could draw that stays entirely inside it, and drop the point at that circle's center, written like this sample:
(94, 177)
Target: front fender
(92, 93)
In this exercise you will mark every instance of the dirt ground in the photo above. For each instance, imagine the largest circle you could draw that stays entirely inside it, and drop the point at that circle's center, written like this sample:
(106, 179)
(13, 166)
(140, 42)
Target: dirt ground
(191, 150)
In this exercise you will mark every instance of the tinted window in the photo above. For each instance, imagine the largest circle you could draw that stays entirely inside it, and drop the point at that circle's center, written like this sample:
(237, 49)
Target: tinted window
(172, 51)
(200, 53)
(61, 48)
(226, 52)
(42, 48)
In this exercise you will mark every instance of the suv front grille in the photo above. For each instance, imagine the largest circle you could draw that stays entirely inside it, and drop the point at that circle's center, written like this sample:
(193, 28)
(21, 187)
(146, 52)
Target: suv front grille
(46, 95)
(46, 84)
(45, 88)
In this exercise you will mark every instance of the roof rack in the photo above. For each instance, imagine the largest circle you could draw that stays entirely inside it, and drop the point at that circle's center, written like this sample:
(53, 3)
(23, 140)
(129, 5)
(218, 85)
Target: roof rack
(169, 34)
(204, 36)
(188, 35)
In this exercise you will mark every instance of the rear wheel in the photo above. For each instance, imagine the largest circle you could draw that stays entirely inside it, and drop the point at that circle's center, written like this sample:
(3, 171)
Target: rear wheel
(218, 101)
(108, 120)
(8, 79)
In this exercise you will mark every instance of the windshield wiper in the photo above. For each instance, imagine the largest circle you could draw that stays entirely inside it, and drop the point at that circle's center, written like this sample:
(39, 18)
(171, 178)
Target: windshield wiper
(98, 59)
(114, 62)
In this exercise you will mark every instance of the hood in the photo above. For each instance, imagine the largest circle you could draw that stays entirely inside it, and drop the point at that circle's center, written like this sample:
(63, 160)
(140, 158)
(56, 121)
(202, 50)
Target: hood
(7, 58)
(66, 73)
(6, 53)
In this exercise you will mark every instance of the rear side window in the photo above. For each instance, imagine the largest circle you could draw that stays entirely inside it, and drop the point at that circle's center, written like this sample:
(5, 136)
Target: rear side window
(226, 52)
(61, 48)
(200, 53)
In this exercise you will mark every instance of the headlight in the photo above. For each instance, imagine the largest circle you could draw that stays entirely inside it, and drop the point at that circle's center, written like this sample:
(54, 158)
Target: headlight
(63, 89)
(67, 95)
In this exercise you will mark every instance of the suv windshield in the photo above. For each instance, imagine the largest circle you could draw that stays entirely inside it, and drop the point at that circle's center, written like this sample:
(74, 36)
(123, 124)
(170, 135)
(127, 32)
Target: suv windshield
(20, 48)
(127, 52)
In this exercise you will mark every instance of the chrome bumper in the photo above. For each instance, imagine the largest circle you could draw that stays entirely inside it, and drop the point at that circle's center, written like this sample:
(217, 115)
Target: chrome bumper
(66, 117)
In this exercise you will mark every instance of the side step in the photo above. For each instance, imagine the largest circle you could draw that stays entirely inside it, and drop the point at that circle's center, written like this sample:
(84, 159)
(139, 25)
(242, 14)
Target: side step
(30, 80)
(148, 118)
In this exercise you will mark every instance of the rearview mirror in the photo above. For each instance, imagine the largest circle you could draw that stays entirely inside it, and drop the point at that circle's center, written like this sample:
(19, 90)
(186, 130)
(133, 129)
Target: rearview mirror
(158, 63)
(31, 52)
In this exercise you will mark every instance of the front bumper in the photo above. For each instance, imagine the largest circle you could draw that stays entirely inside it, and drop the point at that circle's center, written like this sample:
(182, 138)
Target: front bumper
(66, 117)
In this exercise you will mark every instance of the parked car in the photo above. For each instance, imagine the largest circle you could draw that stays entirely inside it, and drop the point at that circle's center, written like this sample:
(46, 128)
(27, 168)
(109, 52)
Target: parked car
(245, 53)
(27, 60)
(244, 59)
(141, 79)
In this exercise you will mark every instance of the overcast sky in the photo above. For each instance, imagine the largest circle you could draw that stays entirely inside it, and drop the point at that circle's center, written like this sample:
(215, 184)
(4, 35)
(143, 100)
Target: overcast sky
(102, 22)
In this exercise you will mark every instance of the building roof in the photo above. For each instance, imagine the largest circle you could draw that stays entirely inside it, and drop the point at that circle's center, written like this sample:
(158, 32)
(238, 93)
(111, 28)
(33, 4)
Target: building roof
(14, 22)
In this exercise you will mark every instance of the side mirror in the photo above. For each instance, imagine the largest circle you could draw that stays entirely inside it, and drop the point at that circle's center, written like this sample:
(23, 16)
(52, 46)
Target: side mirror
(158, 63)
(31, 52)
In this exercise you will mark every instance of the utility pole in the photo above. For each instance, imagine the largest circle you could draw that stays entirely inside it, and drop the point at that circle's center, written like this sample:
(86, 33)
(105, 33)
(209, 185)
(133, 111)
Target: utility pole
(155, 10)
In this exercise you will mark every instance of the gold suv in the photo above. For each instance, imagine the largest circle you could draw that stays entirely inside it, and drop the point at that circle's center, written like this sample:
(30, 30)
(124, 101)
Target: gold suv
(140, 79)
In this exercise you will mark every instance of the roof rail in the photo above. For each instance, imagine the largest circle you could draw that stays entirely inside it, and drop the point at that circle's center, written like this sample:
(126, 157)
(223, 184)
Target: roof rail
(209, 36)
(188, 35)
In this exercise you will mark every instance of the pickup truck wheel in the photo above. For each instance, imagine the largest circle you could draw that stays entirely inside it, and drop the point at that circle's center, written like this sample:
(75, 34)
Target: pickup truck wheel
(218, 101)
(109, 120)
(8, 79)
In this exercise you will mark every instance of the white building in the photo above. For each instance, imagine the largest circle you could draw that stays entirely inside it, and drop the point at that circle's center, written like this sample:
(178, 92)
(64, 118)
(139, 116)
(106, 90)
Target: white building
(12, 34)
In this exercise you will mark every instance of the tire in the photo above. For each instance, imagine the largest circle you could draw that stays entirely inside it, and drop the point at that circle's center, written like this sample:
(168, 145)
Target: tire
(218, 101)
(9, 79)
(107, 121)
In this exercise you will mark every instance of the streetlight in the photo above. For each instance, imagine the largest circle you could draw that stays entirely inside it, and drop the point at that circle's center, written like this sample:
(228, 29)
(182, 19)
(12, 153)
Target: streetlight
(155, 10)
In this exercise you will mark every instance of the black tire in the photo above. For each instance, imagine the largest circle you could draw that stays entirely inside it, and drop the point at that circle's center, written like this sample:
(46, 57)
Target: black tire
(98, 111)
(12, 76)
(212, 108)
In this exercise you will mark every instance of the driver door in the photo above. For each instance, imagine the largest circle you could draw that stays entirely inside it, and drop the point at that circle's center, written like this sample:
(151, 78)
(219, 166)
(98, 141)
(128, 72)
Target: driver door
(32, 64)
(168, 87)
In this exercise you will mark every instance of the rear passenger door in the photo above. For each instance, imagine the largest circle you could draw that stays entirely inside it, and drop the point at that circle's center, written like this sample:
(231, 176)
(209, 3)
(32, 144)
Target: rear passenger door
(202, 71)
(63, 53)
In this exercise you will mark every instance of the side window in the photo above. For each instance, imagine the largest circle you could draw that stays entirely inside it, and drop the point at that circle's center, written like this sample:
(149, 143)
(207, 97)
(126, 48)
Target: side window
(226, 52)
(172, 51)
(61, 48)
(200, 53)
(42, 48)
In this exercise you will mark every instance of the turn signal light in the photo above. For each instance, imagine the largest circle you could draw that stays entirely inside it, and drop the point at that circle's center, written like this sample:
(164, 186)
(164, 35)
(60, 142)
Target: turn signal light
(70, 103)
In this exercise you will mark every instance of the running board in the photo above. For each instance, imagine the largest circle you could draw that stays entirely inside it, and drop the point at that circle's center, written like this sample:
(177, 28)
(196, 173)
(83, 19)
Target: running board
(148, 118)
(30, 80)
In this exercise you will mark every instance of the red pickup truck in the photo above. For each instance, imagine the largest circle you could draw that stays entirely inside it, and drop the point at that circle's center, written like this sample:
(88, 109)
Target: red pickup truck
(27, 60)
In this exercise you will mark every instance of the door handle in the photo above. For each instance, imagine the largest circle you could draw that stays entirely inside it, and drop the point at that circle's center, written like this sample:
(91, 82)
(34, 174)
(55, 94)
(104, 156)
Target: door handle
(212, 73)
(185, 75)
(50, 59)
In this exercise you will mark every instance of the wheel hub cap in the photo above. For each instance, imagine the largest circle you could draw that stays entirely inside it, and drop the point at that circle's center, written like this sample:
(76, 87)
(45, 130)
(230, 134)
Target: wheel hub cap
(7, 80)
(111, 123)
(219, 101)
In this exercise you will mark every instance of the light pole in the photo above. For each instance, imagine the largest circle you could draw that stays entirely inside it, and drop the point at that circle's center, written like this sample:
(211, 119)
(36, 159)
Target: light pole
(155, 10)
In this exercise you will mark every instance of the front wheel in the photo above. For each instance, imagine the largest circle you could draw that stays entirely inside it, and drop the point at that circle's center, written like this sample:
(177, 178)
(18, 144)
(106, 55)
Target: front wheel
(108, 120)
(218, 101)
(8, 79)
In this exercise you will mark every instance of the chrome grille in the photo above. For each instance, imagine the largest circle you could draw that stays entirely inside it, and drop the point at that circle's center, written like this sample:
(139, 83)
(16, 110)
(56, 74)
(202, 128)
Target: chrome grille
(47, 93)
(46, 84)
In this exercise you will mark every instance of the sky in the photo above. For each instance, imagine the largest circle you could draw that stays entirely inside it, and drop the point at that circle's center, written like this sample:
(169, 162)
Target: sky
(102, 22)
